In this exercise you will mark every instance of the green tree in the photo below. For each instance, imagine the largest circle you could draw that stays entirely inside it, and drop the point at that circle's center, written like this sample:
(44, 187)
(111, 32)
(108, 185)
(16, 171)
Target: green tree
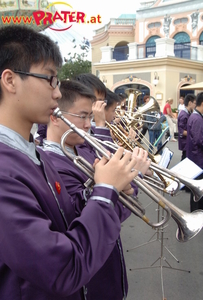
(74, 66)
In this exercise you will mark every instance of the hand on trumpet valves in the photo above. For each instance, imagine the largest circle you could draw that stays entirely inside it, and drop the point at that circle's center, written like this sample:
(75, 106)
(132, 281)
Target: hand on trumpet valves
(119, 171)
(98, 109)
(142, 161)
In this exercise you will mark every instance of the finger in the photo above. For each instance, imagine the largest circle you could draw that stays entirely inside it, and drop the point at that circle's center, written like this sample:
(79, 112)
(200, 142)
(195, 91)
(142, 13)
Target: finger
(128, 187)
(118, 154)
(129, 192)
(95, 162)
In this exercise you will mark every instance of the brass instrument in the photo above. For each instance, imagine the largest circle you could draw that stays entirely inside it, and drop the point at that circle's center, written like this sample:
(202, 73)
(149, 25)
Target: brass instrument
(132, 120)
(126, 143)
(132, 98)
(196, 186)
(189, 224)
(129, 201)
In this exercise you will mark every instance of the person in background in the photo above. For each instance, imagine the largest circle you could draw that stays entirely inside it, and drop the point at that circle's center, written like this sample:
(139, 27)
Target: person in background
(123, 98)
(170, 118)
(189, 105)
(194, 143)
(103, 109)
(145, 124)
(155, 129)
(181, 104)
(110, 282)
(46, 252)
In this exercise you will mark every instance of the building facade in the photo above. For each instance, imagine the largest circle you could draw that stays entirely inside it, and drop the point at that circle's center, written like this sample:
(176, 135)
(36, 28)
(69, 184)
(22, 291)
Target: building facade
(157, 50)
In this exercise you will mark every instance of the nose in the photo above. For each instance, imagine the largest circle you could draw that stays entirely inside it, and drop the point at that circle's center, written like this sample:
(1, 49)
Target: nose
(56, 93)
(87, 123)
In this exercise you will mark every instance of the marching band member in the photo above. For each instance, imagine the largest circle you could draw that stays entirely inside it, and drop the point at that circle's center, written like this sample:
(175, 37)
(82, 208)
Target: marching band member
(194, 143)
(46, 252)
(189, 105)
(110, 282)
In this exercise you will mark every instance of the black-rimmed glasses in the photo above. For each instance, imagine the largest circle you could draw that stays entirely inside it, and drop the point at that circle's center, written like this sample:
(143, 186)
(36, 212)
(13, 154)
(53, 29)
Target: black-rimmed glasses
(84, 118)
(53, 80)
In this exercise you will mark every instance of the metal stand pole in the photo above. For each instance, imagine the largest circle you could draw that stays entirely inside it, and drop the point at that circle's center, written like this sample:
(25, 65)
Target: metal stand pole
(161, 258)
(157, 234)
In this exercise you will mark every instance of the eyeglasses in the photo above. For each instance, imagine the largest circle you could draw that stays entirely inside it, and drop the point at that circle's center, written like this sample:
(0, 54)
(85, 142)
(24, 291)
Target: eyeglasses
(84, 118)
(53, 80)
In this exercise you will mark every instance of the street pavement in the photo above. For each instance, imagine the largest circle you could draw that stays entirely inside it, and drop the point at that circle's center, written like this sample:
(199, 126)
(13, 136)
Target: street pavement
(161, 267)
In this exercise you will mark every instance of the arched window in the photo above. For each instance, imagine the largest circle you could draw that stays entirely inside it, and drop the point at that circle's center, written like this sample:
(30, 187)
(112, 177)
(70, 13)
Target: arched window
(151, 46)
(201, 39)
(181, 37)
(121, 51)
(182, 46)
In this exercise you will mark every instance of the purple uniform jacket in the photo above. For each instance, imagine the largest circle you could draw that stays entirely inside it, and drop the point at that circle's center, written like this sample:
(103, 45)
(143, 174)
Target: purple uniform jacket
(194, 147)
(110, 282)
(182, 126)
(46, 253)
(42, 131)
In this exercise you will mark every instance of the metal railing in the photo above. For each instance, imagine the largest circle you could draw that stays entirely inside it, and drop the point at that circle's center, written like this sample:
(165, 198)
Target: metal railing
(185, 51)
(149, 50)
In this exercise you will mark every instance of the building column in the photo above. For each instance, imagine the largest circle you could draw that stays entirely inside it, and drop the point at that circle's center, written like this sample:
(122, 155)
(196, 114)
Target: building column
(164, 47)
(107, 54)
(132, 51)
(199, 52)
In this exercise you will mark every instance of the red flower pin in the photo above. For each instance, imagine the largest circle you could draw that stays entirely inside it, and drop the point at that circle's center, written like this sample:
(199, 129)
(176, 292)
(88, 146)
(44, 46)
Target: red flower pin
(58, 187)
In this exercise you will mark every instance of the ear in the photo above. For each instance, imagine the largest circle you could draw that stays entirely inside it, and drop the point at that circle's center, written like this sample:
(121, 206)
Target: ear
(8, 81)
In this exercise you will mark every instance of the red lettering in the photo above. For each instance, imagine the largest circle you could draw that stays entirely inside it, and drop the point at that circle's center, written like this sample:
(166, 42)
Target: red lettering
(80, 17)
(99, 18)
(65, 13)
(6, 20)
(38, 16)
(27, 19)
(48, 18)
(16, 19)
(72, 17)
(57, 17)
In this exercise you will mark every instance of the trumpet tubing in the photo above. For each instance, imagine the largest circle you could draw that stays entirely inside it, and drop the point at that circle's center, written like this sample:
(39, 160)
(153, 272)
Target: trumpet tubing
(189, 224)
(128, 201)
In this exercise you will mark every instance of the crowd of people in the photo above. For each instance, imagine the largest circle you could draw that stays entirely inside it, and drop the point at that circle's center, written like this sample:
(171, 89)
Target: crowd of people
(59, 231)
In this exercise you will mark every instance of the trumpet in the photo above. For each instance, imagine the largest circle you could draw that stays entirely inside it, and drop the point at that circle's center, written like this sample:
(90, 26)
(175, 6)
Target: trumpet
(189, 224)
(128, 201)
(196, 186)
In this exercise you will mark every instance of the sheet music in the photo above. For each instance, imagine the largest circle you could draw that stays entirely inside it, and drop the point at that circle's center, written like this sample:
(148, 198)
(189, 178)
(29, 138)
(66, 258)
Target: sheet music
(188, 169)
(166, 158)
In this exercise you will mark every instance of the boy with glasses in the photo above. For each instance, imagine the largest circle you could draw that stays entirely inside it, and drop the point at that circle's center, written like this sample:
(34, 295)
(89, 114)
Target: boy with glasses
(110, 282)
(46, 253)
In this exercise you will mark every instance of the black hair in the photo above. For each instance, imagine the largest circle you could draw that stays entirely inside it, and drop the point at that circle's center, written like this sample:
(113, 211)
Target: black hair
(93, 82)
(188, 98)
(199, 99)
(111, 98)
(21, 47)
(71, 90)
(123, 96)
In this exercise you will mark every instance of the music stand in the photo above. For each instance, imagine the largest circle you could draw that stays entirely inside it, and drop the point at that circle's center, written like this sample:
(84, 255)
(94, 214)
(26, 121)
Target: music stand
(161, 258)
